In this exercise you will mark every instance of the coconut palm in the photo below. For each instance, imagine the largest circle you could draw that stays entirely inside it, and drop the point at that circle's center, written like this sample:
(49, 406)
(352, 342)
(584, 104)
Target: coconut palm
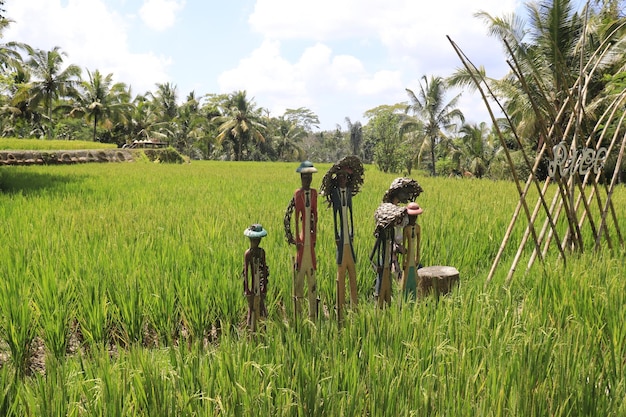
(240, 121)
(355, 130)
(477, 148)
(287, 135)
(437, 115)
(549, 52)
(50, 80)
(101, 101)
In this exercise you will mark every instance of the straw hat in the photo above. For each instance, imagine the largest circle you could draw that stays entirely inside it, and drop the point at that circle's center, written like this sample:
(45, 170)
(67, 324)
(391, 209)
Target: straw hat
(413, 209)
(352, 166)
(306, 167)
(387, 214)
(255, 231)
(403, 184)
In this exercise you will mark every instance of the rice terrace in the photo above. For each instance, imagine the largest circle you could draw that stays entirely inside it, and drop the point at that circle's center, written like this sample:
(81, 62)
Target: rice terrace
(187, 258)
(122, 295)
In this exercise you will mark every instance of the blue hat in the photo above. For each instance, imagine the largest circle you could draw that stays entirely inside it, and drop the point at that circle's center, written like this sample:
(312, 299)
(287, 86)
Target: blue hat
(306, 167)
(256, 230)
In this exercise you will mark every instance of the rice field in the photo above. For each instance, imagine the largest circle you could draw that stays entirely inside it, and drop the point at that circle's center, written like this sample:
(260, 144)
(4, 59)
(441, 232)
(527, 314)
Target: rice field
(121, 295)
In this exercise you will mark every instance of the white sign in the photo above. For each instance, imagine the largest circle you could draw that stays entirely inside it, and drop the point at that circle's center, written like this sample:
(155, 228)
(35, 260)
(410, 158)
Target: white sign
(582, 160)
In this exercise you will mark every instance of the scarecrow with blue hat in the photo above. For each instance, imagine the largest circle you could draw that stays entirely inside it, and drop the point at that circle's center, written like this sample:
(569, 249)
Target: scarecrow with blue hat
(304, 203)
(255, 275)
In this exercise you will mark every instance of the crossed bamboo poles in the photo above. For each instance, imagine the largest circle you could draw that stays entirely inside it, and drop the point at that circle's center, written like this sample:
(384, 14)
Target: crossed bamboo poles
(565, 200)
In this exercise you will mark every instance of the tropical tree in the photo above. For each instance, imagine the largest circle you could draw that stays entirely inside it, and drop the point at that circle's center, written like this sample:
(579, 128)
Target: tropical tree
(476, 148)
(287, 135)
(191, 127)
(303, 117)
(240, 122)
(101, 101)
(355, 132)
(384, 130)
(144, 122)
(549, 53)
(50, 80)
(437, 115)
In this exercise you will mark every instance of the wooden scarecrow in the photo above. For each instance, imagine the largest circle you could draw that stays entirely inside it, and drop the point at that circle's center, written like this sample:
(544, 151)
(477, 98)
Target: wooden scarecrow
(255, 275)
(387, 216)
(411, 243)
(401, 191)
(343, 181)
(304, 203)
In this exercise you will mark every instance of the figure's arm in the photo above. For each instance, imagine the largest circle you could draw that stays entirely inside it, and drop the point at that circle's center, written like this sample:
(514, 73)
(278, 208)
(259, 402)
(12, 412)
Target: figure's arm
(287, 221)
(265, 272)
(376, 254)
(245, 273)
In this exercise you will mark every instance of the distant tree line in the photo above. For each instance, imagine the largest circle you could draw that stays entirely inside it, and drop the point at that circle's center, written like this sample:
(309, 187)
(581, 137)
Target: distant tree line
(43, 97)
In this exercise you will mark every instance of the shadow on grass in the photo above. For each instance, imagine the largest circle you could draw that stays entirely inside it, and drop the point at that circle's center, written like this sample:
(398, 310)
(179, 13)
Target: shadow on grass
(21, 181)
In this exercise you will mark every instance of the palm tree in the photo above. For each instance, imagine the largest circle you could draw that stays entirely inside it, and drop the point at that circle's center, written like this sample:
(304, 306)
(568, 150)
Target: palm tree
(50, 80)
(436, 115)
(240, 121)
(287, 134)
(550, 51)
(101, 100)
(477, 148)
(355, 131)
(9, 56)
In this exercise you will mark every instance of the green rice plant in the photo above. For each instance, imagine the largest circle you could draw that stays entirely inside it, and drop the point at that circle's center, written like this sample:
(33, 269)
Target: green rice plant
(54, 393)
(150, 247)
(8, 393)
(128, 311)
(19, 322)
(38, 144)
(93, 312)
(163, 311)
(55, 303)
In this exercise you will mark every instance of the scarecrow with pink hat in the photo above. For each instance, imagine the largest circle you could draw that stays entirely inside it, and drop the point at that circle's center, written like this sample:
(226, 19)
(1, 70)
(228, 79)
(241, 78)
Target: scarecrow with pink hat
(411, 242)
(343, 181)
(255, 275)
(304, 203)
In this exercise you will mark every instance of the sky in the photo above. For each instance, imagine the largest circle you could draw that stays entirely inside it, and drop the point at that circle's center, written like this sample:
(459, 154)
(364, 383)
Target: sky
(338, 58)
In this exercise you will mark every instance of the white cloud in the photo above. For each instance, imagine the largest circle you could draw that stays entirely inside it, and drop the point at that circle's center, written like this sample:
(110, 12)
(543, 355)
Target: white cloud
(160, 14)
(408, 36)
(91, 35)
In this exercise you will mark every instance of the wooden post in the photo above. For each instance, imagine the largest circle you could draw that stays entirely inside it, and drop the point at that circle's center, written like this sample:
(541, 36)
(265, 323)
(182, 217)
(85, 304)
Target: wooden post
(438, 279)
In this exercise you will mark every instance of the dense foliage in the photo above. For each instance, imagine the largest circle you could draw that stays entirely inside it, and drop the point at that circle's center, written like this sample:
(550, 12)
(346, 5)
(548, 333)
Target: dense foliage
(41, 96)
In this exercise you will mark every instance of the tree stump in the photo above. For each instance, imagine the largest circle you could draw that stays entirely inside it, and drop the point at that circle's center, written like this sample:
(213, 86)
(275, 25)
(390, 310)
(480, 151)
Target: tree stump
(437, 279)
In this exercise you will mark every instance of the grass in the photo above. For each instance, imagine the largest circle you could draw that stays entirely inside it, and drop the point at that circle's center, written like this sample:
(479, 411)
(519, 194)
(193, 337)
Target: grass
(14, 144)
(134, 270)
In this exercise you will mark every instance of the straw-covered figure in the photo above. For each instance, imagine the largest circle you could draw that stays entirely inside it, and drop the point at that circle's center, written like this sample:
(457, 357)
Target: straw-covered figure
(304, 203)
(401, 191)
(387, 216)
(411, 243)
(343, 181)
(255, 275)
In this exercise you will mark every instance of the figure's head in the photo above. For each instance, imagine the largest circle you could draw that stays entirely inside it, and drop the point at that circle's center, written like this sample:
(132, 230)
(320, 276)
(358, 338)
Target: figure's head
(306, 171)
(255, 232)
(306, 180)
(342, 179)
(413, 210)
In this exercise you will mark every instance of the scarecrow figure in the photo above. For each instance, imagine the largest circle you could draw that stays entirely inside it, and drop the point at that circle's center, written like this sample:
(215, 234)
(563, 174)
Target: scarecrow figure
(343, 181)
(255, 275)
(401, 191)
(411, 243)
(387, 216)
(304, 202)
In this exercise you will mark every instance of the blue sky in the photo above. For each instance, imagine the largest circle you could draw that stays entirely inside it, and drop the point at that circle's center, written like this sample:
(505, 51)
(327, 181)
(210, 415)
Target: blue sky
(338, 58)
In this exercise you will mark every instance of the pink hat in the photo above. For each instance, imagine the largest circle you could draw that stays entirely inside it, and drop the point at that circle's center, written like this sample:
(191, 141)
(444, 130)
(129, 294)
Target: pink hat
(413, 209)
